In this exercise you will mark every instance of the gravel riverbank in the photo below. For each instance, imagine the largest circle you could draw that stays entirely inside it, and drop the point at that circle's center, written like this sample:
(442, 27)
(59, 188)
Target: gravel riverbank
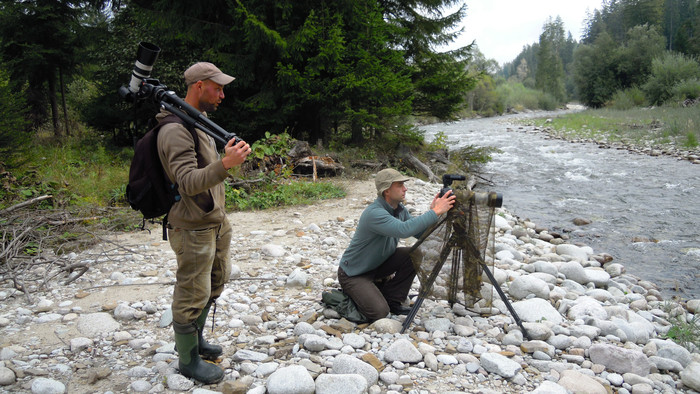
(593, 328)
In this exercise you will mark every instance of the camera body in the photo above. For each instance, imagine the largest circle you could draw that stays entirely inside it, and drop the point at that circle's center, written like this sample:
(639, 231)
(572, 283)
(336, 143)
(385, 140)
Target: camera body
(447, 180)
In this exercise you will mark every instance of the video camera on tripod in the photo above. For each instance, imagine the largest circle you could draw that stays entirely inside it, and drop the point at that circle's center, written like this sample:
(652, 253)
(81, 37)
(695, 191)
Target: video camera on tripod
(141, 88)
(491, 199)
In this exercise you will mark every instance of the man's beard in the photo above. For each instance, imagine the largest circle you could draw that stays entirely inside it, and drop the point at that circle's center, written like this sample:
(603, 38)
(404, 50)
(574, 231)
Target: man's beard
(207, 107)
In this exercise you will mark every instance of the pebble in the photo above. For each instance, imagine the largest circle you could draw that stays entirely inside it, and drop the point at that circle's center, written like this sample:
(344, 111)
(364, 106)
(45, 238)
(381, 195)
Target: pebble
(590, 325)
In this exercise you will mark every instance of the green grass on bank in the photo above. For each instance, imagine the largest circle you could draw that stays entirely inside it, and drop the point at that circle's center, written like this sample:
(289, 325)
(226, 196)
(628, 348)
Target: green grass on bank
(659, 126)
(278, 194)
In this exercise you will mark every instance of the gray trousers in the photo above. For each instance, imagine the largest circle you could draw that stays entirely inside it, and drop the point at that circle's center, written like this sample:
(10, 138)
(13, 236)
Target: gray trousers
(387, 286)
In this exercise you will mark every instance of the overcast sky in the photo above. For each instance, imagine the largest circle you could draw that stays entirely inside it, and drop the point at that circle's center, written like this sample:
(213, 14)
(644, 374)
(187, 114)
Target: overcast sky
(502, 28)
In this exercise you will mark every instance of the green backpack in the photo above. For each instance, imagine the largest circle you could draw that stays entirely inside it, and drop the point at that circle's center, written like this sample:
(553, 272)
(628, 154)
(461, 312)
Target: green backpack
(343, 304)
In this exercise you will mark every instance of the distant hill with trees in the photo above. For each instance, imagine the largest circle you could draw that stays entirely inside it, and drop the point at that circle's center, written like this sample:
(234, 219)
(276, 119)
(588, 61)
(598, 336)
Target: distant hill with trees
(633, 52)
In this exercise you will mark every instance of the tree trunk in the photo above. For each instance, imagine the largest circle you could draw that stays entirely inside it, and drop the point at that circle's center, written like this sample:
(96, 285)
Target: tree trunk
(356, 133)
(63, 102)
(54, 104)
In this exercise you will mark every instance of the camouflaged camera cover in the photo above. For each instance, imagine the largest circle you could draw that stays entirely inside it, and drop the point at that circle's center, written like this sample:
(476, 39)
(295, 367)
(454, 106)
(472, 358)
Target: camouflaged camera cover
(449, 255)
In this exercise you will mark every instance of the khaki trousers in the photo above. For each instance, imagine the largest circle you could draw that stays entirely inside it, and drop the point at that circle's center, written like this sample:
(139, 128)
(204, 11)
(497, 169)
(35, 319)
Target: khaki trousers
(374, 292)
(203, 267)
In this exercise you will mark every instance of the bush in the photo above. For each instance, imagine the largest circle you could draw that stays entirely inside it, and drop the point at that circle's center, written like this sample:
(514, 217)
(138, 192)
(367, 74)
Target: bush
(547, 101)
(666, 72)
(687, 89)
(517, 96)
(627, 99)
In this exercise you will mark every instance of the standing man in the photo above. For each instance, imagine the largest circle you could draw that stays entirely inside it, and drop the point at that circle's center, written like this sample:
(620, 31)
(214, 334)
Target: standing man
(373, 271)
(199, 232)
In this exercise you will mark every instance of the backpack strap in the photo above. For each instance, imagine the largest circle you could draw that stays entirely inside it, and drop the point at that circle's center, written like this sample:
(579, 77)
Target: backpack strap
(172, 118)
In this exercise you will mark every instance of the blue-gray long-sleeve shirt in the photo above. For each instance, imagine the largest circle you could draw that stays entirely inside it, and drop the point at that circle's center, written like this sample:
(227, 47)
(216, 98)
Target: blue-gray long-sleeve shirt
(378, 233)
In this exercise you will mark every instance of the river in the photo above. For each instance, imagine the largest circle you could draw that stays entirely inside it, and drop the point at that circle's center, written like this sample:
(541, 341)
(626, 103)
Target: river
(643, 210)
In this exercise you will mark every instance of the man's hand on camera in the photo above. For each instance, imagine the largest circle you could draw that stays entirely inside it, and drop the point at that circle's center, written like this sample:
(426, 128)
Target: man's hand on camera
(235, 155)
(443, 204)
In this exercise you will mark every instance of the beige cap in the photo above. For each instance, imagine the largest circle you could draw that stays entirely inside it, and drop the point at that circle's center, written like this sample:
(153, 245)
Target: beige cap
(386, 177)
(203, 70)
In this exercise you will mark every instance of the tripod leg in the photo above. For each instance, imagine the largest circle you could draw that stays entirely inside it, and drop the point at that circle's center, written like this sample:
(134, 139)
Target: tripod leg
(412, 314)
(505, 300)
(425, 289)
(453, 282)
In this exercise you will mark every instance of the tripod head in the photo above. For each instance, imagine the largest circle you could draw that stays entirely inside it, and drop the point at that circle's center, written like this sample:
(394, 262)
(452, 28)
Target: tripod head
(143, 88)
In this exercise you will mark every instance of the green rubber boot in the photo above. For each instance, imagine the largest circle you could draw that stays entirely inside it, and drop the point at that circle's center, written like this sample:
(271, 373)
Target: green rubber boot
(190, 364)
(206, 350)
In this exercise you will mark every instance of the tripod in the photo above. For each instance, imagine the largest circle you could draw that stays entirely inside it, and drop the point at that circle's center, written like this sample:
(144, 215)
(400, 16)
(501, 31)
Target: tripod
(467, 261)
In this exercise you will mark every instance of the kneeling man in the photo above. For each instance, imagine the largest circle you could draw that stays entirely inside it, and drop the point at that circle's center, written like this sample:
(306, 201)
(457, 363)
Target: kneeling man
(373, 271)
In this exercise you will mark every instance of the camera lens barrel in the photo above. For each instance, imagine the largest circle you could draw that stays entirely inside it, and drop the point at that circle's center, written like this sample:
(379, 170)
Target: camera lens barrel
(145, 59)
(489, 199)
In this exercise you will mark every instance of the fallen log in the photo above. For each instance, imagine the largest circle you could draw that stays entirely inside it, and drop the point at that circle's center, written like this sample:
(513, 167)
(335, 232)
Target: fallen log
(417, 165)
(324, 166)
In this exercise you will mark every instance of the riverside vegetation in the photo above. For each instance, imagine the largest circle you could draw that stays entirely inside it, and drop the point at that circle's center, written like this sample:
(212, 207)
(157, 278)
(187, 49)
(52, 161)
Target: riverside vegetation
(659, 127)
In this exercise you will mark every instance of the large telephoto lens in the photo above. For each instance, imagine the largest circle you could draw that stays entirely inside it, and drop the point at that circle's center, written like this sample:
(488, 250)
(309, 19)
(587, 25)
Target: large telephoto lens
(489, 199)
(145, 59)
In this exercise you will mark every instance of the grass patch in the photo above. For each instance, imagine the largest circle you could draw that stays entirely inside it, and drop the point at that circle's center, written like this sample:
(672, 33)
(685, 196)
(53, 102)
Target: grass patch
(76, 173)
(684, 331)
(645, 127)
(282, 193)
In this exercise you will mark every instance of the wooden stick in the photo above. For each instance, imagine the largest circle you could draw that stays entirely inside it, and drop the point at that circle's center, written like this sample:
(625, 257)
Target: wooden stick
(24, 204)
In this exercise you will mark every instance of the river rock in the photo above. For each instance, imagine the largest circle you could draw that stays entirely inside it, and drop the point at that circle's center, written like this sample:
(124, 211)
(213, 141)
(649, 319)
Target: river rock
(499, 364)
(340, 384)
(47, 386)
(294, 379)
(574, 251)
(671, 350)
(7, 376)
(526, 285)
(272, 250)
(402, 350)
(178, 382)
(345, 364)
(693, 306)
(548, 387)
(585, 307)
(620, 360)
(536, 309)
(96, 324)
(579, 383)
(297, 278)
(690, 376)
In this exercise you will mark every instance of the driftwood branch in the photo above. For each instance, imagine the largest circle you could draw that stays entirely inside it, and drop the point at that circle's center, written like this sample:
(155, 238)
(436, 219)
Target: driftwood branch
(25, 204)
(73, 220)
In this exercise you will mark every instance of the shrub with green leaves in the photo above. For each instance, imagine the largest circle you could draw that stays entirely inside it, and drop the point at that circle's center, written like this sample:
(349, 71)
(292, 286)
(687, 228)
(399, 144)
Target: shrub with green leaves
(627, 99)
(685, 332)
(687, 89)
(439, 142)
(667, 72)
